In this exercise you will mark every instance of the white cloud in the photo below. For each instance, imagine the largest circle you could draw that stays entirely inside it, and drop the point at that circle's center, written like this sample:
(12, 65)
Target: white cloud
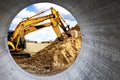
(44, 6)
(15, 23)
(71, 23)
(25, 13)
(42, 35)
(62, 11)
(19, 17)
(16, 20)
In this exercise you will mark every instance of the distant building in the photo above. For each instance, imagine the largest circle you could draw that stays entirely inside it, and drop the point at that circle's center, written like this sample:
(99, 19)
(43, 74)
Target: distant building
(47, 41)
(30, 41)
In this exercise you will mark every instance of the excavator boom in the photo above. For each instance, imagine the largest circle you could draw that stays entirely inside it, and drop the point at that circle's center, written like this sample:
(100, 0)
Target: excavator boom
(32, 24)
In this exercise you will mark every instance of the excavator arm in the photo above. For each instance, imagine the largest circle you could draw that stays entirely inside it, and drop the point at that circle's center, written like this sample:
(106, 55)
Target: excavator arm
(34, 28)
(32, 24)
(26, 23)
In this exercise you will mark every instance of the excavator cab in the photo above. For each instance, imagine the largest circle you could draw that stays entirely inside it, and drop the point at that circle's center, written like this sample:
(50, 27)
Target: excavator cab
(21, 44)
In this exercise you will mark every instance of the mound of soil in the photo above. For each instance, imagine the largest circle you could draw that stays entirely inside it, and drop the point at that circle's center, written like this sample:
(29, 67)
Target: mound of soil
(54, 58)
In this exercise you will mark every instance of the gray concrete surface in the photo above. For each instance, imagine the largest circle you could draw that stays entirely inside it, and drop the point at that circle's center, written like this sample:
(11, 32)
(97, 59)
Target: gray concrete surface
(99, 57)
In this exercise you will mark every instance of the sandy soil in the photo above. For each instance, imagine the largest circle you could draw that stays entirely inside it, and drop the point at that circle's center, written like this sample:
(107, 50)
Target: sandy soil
(33, 48)
(54, 58)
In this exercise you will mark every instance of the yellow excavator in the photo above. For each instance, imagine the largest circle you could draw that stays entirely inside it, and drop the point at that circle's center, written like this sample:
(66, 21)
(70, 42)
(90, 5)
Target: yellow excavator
(16, 40)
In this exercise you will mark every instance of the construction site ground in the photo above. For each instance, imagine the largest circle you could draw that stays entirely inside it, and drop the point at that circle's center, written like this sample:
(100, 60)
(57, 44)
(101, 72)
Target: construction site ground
(54, 57)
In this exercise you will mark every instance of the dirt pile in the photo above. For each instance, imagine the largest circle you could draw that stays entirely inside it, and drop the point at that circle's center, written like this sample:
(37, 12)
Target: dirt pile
(54, 58)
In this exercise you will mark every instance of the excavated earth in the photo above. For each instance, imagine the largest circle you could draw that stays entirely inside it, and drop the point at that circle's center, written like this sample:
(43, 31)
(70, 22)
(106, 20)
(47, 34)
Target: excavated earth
(54, 58)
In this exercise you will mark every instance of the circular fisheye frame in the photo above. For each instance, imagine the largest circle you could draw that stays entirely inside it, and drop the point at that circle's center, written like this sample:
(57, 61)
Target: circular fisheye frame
(44, 39)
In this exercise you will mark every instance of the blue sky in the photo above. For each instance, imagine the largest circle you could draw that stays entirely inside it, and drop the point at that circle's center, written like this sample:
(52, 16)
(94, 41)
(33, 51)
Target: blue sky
(44, 34)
